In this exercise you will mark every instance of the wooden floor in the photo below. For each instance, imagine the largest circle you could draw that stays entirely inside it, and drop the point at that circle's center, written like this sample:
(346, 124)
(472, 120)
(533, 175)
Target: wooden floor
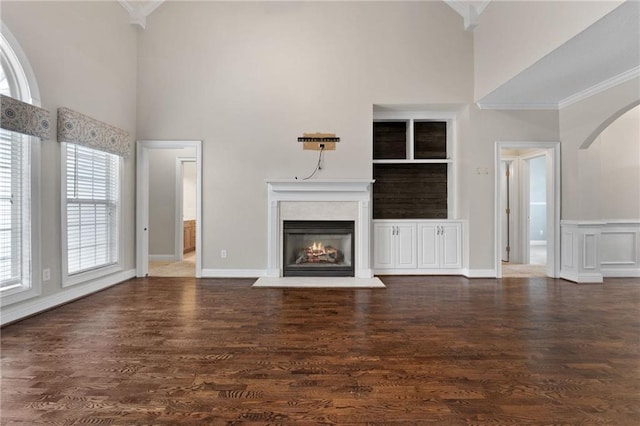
(445, 351)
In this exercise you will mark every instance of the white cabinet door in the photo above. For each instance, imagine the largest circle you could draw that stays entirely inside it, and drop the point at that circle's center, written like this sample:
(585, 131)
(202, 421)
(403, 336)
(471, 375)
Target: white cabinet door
(451, 246)
(428, 245)
(383, 247)
(406, 246)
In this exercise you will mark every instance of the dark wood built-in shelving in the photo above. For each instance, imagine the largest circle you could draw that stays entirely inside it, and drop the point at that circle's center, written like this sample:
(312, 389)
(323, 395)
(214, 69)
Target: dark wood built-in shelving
(410, 169)
(410, 191)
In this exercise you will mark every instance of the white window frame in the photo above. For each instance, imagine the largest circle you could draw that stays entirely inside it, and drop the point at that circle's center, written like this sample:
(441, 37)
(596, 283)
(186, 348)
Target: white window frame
(21, 76)
(93, 274)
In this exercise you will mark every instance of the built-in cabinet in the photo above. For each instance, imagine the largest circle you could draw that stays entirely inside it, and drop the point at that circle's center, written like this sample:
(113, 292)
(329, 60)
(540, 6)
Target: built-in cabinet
(189, 236)
(421, 246)
(395, 245)
(439, 245)
(413, 199)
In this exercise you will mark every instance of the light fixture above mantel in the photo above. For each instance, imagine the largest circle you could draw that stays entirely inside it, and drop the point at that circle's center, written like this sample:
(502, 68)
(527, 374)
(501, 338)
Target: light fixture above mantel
(138, 10)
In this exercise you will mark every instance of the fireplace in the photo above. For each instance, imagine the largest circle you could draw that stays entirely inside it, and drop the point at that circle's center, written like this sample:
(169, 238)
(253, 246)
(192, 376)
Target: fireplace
(319, 200)
(320, 248)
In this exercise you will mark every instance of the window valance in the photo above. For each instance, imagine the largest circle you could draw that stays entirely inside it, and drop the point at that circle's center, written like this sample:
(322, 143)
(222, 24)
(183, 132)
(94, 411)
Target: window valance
(25, 118)
(81, 129)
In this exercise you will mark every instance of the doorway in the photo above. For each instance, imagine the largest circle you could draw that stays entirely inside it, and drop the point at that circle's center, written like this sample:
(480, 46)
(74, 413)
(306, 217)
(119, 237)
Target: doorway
(170, 248)
(527, 218)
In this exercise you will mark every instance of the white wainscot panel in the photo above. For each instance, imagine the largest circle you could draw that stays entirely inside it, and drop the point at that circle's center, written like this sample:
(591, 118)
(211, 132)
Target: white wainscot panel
(593, 250)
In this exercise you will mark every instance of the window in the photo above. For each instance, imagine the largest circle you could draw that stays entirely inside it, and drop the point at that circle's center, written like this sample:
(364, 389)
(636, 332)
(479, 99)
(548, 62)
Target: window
(19, 183)
(14, 211)
(91, 181)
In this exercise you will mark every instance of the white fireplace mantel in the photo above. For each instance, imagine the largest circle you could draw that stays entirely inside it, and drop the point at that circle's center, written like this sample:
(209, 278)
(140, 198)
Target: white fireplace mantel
(322, 191)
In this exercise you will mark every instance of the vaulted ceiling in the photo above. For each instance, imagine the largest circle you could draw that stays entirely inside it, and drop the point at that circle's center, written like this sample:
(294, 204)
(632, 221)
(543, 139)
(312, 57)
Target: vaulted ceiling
(605, 54)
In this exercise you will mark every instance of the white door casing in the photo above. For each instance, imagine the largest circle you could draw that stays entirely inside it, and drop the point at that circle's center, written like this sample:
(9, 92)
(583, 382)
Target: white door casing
(142, 200)
(553, 203)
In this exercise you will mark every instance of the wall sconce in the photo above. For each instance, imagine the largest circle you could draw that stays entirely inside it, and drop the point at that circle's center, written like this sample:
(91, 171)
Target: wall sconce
(319, 141)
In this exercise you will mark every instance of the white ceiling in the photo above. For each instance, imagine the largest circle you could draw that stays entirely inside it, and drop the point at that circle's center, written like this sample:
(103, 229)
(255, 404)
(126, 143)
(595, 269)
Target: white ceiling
(605, 54)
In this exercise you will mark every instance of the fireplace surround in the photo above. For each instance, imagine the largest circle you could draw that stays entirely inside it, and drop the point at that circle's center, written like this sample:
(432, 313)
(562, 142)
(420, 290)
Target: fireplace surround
(318, 200)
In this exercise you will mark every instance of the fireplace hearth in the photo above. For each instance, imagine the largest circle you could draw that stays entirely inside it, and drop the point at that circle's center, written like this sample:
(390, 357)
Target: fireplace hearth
(321, 248)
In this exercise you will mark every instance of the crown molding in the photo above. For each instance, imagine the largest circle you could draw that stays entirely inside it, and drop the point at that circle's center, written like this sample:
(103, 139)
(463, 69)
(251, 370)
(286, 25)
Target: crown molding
(470, 11)
(138, 11)
(569, 100)
(518, 106)
(600, 87)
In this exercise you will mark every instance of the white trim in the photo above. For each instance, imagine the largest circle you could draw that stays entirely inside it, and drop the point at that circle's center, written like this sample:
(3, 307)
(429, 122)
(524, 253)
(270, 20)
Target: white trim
(33, 97)
(27, 85)
(479, 273)
(419, 271)
(620, 273)
(569, 100)
(11, 313)
(553, 202)
(583, 278)
(600, 87)
(142, 200)
(517, 106)
(413, 115)
(322, 190)
(82, 277)
(234, 273)
(138, 14)
(163, 258)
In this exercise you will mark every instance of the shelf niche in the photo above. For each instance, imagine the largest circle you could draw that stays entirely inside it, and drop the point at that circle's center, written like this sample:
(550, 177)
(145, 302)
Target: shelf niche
(410, 191)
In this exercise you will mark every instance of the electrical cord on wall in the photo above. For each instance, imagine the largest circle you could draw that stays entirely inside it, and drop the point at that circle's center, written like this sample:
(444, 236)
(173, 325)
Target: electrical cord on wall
(318, 166)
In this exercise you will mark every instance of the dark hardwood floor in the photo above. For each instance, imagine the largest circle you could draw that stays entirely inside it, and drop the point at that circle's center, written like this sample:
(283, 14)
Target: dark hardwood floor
(425, 350)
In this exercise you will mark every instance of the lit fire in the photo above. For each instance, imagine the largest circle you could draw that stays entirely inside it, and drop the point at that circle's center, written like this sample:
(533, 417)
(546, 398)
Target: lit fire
(317, 248)
(318, 253)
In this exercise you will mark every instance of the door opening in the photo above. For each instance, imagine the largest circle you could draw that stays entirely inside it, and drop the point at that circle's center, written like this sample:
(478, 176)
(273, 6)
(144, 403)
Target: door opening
(159, 213)
(527, 209)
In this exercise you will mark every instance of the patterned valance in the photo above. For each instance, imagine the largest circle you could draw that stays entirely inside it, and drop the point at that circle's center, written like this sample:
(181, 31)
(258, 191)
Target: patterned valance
(78, 128)
(25, 118)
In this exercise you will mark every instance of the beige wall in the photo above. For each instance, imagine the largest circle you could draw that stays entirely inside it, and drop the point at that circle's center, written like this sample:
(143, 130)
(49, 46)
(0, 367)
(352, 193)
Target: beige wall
(249, 78)
(162, 199)
(84, 57)
(513, 35)
(580, 123)
(610, 171)
(478, 151)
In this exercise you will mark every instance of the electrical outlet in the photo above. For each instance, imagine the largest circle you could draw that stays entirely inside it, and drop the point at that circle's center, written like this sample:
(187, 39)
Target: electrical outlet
(223, 254)
(46, 274)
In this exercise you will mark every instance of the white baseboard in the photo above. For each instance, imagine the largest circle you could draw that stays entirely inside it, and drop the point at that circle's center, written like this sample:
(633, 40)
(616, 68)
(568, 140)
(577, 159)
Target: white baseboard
(233, 273)
(163, 258)
(38, 304)
(582, 278)
(479, 273)
(415, 271)
(620, 273)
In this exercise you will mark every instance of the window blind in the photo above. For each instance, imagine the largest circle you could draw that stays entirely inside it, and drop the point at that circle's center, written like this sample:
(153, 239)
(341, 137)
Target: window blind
(92, 188)
(15, 235)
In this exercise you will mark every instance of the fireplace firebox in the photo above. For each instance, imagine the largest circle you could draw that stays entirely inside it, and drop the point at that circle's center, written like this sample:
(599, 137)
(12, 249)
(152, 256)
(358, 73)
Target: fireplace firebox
(322, 248)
